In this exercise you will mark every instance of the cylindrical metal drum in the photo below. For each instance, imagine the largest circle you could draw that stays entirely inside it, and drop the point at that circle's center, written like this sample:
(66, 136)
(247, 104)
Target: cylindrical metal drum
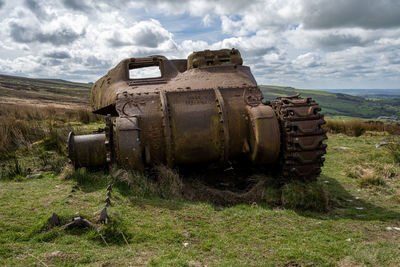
(87, 150)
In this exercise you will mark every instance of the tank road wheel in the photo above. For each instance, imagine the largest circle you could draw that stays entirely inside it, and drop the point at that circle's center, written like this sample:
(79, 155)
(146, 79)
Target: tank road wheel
(302, 136)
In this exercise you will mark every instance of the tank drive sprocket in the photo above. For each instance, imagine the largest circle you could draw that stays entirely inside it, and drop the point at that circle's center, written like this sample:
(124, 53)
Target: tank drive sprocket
(302, 137)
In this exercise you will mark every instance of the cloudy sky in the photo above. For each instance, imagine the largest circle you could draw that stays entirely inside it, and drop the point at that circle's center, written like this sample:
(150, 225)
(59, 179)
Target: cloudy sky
(300, 43)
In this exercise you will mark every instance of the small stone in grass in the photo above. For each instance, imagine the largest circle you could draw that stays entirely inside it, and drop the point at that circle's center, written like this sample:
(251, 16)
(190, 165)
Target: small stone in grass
(195, 264)
(359, 208)
(381, 144)
(56, 253)
(389, 228)
(349, 240)
(340, 148)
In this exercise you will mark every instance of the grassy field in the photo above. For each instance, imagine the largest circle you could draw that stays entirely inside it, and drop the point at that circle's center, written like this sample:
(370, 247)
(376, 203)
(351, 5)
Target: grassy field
(350, 217)
(163, 217)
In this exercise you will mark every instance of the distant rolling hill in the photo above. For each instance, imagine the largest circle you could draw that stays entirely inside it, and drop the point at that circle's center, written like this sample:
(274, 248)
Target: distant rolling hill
(60, 91)
(13, 88)
(368, 93)
(339, 104)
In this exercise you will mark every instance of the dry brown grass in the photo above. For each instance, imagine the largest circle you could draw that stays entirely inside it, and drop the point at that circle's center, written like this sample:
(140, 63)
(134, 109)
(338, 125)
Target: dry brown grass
(394, 148)
(169, 182)
(45, 113)
(373, 174)
(260, 193)
(25, 124)
(359, 127)
(137, 182)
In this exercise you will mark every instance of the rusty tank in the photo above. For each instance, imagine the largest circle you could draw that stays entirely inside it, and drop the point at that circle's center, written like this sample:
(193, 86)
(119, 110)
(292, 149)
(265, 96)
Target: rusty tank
(203, 109)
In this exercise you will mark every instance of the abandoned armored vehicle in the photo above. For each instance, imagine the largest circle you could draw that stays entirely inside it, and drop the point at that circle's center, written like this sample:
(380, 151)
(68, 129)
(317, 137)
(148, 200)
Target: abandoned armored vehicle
(203, 109)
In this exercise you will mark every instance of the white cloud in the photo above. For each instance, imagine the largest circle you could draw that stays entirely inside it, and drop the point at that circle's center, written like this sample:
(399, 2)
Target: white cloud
(291, 42)
(308, 60)
(207, 20)
(143, 34)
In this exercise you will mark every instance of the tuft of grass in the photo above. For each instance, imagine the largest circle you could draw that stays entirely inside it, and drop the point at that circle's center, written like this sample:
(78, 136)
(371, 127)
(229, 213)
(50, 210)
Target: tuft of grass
(366, 176)
(169, 183)
(85, 116)
(355, 172)
(394, 148)
(87, 180)
(133, 182)
(305, 196)
(56, 137)
(52, 161)
(376, 174)
(13, 170)
(371, 180)
(79, 175)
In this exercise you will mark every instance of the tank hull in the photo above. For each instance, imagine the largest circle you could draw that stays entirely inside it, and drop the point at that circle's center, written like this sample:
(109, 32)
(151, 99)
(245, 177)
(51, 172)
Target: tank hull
(201, 110)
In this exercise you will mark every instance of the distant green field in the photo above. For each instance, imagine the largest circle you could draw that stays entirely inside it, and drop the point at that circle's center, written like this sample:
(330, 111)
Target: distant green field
(340, 104)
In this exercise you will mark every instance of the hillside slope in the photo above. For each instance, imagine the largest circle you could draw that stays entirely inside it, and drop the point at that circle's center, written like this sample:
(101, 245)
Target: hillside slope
(13, 88)
(340, 104)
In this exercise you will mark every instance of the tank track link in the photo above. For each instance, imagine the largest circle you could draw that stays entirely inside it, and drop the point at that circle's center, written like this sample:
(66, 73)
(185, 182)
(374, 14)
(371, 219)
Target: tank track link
(302, 137)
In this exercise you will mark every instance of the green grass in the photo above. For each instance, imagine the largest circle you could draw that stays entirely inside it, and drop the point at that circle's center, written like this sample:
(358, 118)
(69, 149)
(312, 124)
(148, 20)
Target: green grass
(339, 220)
(352, 231)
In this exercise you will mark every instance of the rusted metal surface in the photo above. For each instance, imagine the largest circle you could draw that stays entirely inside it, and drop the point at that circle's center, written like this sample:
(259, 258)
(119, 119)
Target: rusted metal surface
(264, 135)
(204, 109)
(87, 150)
